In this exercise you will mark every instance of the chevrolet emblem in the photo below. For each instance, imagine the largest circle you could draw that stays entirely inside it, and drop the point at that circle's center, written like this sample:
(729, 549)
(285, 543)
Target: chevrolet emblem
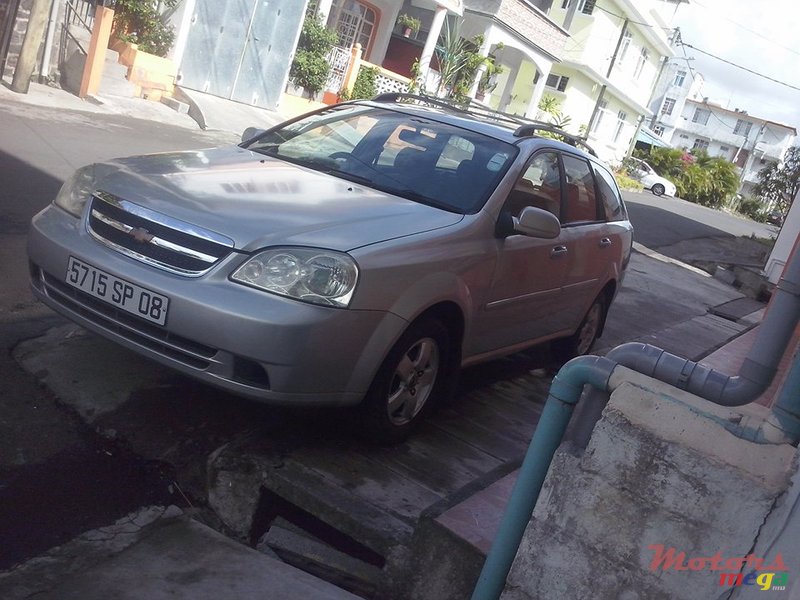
(141, 235)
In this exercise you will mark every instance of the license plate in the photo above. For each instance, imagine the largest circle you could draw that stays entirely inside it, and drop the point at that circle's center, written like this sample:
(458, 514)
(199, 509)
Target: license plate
(128, 296)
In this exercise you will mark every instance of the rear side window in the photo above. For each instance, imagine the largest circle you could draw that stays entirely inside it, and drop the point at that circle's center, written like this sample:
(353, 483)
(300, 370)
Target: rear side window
(609, 194)
(581, 198)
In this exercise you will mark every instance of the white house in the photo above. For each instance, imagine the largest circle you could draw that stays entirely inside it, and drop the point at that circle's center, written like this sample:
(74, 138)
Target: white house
(677, 84)
(610, 66)
(748, 141)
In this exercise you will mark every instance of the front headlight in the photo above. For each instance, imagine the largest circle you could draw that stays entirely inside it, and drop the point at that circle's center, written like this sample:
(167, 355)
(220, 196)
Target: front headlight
(76, 191)
(309, 274)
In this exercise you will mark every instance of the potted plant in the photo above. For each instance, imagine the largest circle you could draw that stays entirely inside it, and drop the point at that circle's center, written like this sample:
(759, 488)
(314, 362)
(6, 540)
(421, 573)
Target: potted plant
(408, 24)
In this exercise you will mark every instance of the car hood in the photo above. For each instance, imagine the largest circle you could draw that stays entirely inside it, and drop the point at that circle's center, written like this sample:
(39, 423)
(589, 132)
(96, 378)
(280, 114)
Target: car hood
(258, 201)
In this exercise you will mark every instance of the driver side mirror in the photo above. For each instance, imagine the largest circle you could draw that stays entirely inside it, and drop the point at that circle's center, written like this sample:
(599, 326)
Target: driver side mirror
(538, 223)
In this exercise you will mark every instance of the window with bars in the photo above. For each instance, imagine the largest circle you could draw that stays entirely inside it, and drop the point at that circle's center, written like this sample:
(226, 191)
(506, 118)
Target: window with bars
(742, 127)
(621, 117)
(701, 116)
(355, 23)
(669, 104)
(700, 144)
(658, 130)
(558, 82)
(643, 56)
(624, 46)
(600, 114)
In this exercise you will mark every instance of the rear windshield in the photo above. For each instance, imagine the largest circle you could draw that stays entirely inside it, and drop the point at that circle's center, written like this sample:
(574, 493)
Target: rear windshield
(414, 157)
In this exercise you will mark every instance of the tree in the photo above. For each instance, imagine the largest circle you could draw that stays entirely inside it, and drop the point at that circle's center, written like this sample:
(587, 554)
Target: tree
(780, 183)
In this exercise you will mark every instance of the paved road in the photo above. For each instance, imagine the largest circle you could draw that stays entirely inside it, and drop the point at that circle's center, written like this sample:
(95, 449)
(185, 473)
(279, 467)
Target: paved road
(664, 221)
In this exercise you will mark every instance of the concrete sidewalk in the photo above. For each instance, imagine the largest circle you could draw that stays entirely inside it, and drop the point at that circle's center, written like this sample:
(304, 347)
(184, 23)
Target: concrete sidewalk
(204, 111)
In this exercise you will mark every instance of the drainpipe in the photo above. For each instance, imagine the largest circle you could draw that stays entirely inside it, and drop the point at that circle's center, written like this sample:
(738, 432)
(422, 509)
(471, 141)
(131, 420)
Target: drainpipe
(754, 377)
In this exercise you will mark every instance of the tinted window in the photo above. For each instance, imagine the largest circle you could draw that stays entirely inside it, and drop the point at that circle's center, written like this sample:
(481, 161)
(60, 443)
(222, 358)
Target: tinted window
(609, 194)
(539, 186)
(581, 202)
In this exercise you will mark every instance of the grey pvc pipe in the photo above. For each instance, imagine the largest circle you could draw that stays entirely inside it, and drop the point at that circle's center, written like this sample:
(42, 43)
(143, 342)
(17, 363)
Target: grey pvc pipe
(565, 391)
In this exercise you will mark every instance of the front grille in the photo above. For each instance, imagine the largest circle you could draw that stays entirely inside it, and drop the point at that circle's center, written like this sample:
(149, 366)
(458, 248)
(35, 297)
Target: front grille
(199, 356)
(132, 328)
(155, 238)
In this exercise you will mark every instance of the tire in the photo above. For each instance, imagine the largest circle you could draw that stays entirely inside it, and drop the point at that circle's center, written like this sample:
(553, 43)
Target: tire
(588, 331)
(414, 376)
(658, 189)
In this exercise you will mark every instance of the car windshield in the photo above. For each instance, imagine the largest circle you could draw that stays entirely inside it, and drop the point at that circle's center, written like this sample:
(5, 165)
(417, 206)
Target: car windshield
(410, 156)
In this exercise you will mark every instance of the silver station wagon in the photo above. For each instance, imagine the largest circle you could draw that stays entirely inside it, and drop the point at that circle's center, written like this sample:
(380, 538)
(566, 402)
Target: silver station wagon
(357, 255)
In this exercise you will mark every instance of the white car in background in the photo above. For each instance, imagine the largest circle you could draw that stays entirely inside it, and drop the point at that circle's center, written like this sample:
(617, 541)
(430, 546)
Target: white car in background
(646, 175)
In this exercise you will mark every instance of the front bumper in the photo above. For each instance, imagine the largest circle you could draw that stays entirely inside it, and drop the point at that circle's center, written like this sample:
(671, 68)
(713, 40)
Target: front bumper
(249, 342)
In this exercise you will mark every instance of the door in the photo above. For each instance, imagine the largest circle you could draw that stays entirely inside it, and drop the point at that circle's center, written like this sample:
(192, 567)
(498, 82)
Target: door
(524, 302)
(241, 49)
(588, 237)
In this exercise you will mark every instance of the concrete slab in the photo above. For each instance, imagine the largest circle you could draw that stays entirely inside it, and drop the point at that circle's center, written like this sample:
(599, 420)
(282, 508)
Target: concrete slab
(737, 309)
(182, 559)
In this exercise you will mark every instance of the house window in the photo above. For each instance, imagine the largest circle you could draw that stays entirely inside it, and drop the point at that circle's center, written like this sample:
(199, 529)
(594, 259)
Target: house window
(742, 127)
(683, 136)
(701, 116)
(621, 116)
(584, 6)
(600, 113)
(724, 151)
(558, 82)
(354, 22)
(643, 56)
(669, 104)
(680, 77)
(625, 45)
(658, 130)
(700, 144)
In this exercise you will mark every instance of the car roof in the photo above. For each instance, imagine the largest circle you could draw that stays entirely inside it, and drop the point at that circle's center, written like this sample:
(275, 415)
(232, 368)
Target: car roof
(507, 128)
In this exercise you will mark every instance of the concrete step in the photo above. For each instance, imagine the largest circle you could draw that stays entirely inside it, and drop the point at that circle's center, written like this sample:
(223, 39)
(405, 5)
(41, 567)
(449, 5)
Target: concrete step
(113, 83)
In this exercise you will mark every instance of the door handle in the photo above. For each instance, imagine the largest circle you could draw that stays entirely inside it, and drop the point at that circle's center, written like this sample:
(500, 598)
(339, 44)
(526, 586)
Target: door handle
(604, 243)
(558, 251)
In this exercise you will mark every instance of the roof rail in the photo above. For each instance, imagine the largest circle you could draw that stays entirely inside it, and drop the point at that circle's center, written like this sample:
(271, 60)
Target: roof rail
(530, 128)
(402, 96)
(525, 127)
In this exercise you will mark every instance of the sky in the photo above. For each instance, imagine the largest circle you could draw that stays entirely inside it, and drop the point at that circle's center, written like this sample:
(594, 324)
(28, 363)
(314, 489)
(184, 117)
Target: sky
(762, 35)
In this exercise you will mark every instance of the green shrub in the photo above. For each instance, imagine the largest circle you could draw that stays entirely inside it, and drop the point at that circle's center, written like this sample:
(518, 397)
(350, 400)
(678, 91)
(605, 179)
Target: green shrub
(310, 68)
(139, 22)
(626, 183)
(752, 208)
(365, 85)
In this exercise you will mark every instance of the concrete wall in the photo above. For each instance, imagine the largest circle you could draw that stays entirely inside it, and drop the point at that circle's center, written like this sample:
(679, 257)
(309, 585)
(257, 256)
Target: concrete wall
(657, 474)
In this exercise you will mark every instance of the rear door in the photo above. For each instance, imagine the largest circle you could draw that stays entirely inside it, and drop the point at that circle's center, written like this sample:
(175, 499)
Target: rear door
(594, 246)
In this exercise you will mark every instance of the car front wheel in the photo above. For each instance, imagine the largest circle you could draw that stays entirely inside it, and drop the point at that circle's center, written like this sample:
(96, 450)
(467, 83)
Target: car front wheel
(411, 379)
(658, 189)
